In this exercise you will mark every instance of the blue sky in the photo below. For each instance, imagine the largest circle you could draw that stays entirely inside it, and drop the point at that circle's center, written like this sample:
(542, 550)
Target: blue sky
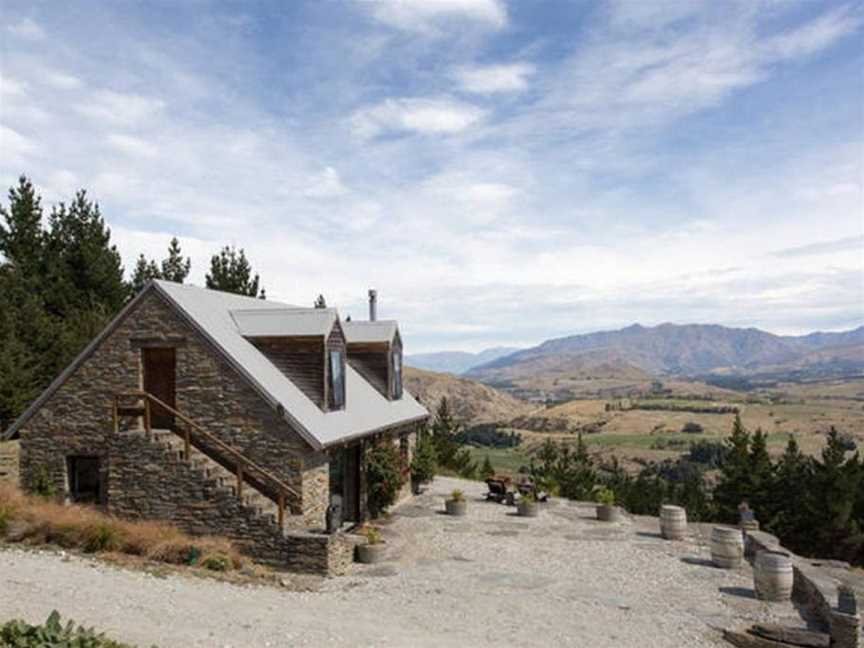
(502, 172)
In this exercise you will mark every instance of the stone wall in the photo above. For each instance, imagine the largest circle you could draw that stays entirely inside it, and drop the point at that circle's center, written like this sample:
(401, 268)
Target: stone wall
(77, 419)
(9, 462)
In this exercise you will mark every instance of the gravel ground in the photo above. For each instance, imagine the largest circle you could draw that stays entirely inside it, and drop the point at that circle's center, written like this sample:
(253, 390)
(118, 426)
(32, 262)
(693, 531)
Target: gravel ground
(489, 579)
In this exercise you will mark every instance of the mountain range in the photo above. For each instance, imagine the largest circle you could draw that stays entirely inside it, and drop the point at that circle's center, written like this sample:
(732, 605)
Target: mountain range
(456, 362)
(666, 349)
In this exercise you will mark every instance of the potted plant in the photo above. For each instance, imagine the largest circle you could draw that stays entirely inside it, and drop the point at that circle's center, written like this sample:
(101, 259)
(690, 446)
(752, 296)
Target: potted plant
(606, 509)
(528, 506)
(372, 551)
(456, 505)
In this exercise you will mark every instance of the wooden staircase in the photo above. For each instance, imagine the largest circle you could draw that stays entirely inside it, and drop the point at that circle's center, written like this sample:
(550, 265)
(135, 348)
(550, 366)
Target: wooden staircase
(220, 467)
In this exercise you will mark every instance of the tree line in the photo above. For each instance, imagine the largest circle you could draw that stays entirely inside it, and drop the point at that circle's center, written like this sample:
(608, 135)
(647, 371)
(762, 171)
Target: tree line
(814, 505)
(62, 280)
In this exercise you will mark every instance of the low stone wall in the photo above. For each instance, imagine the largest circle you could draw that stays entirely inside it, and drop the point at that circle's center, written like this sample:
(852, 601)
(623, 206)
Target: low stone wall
(319, 553)
(814, 590)
(10, 470)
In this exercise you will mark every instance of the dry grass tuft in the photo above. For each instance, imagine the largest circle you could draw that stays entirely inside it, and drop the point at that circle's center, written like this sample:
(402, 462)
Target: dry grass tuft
(40, 521)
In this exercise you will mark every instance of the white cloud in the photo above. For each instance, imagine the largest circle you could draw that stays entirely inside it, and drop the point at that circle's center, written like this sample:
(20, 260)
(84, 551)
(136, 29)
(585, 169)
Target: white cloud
(15, 146)
(61, 80)
(488, 79)
(132, 145)
(27, 29)
(326, 184)
(425, 15)
(119, 108)
(424, 116)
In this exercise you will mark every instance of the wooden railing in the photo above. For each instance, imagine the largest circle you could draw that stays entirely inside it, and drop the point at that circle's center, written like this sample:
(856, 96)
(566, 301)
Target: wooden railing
(244, 468)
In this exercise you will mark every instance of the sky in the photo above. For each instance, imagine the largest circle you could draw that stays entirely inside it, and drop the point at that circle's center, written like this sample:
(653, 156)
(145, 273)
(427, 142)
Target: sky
(502, 172)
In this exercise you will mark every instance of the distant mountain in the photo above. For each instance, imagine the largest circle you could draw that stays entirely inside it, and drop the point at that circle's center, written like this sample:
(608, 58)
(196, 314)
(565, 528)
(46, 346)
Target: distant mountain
(471, 401)
(456, 362)
(670, 349)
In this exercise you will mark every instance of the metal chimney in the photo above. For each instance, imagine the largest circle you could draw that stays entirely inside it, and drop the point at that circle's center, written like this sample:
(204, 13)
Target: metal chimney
(373, 305)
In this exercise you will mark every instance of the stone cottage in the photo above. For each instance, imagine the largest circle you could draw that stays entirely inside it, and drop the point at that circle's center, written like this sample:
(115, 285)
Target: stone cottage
(226, 415)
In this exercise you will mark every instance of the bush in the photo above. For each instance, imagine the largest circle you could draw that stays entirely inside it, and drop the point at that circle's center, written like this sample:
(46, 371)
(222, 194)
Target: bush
(383, 476)
(711, 454)
(692, 428)
(487, 470)
(18, 634)
(424, 462)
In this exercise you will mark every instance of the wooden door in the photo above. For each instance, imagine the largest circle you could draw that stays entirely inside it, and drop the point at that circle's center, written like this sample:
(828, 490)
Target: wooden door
(160, 380)
(351, 483)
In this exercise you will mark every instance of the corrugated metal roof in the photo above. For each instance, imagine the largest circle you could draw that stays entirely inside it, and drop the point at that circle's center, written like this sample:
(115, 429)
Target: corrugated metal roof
(267, 322)
(366, 410)
(378, 331)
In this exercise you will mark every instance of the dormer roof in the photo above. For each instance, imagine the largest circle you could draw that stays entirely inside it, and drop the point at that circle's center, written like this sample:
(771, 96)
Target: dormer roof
(286, 321)
(378, 332)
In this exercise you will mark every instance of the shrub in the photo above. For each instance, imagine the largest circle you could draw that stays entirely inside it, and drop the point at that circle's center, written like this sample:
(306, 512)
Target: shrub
(457, 496)
(372, 534)
(487, 471)
(603, 495)
(42, 484)
(217, 562)
(692, 428)
(423, 464)
(18, 634)
(384, 476)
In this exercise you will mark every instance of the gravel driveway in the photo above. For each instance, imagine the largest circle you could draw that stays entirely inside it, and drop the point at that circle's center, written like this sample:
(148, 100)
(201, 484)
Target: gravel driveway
(489, 579)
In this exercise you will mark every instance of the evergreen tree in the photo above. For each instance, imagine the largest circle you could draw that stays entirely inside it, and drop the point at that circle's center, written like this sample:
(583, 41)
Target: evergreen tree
(230, 272)
(759, 478)
(320, 302)
(789, 500)
(734, 485)
(175, 268)
(22, 238)
(144, 271)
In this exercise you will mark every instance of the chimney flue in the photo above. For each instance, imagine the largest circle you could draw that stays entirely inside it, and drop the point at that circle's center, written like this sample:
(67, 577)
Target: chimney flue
(373, 305)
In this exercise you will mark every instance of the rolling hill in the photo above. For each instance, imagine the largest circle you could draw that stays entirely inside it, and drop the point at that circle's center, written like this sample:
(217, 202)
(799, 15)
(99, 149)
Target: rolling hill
(470, 401)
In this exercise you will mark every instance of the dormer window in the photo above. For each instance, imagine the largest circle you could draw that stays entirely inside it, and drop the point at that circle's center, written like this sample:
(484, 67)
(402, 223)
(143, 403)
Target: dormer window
(396, 364)
(337, 380)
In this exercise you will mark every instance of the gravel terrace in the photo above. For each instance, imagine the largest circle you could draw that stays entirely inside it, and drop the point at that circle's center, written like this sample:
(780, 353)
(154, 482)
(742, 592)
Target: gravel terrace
(489, 579)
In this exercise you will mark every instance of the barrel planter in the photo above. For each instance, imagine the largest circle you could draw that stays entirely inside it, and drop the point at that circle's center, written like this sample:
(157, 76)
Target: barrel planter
(608, 513)
(673, 522)
(727, 547)
(527, 508)
(456, 507)
(369, 554)
(773, 576)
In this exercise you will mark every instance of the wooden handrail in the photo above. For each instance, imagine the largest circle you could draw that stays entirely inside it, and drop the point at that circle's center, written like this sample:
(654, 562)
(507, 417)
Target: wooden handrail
(242, 465)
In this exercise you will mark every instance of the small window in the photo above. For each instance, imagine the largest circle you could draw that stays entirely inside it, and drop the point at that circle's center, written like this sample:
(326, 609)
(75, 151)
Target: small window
(85, 481)
(397, 374)
(337, 380)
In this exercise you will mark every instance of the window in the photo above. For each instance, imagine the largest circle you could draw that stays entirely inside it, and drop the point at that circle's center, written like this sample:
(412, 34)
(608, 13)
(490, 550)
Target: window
(397, 374)
(85, 483)
(337, 380)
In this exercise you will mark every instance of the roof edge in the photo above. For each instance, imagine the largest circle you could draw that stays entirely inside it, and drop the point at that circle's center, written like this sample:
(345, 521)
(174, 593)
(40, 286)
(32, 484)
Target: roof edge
(27, 414)
(378, 430)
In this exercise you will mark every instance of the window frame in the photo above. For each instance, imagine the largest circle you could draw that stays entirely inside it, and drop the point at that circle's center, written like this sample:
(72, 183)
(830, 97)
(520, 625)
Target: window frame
(396, 372)
(337, 396)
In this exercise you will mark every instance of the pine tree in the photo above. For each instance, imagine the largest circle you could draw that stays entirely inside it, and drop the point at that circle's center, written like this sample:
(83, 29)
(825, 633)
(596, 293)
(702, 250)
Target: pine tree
(144, 271)
(175, 268)
(22, 239)
(734, 485)
(760, 475)
(788, 503)
(230, 272)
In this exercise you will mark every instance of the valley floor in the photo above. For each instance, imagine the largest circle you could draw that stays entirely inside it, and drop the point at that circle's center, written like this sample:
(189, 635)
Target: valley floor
(489, 579)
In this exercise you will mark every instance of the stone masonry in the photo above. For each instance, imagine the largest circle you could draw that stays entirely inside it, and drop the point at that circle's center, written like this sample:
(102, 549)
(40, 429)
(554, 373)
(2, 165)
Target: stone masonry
(9, 460)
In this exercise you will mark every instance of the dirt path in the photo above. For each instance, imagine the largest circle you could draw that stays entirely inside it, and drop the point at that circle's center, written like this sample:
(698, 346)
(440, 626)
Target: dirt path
(490, 579)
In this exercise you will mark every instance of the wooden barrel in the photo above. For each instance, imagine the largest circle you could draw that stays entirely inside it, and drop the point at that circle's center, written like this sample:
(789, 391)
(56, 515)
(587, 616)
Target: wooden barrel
(673, 522)
(772, 576)
(727, 547)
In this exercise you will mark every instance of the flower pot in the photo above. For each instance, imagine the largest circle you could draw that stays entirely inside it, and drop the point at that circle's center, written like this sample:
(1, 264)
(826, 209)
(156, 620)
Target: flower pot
(369, 554)
(608, 513)
(528, 509)
(456, 507)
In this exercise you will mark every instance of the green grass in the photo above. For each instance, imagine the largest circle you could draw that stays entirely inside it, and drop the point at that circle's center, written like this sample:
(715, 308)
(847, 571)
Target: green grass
(505, 460)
